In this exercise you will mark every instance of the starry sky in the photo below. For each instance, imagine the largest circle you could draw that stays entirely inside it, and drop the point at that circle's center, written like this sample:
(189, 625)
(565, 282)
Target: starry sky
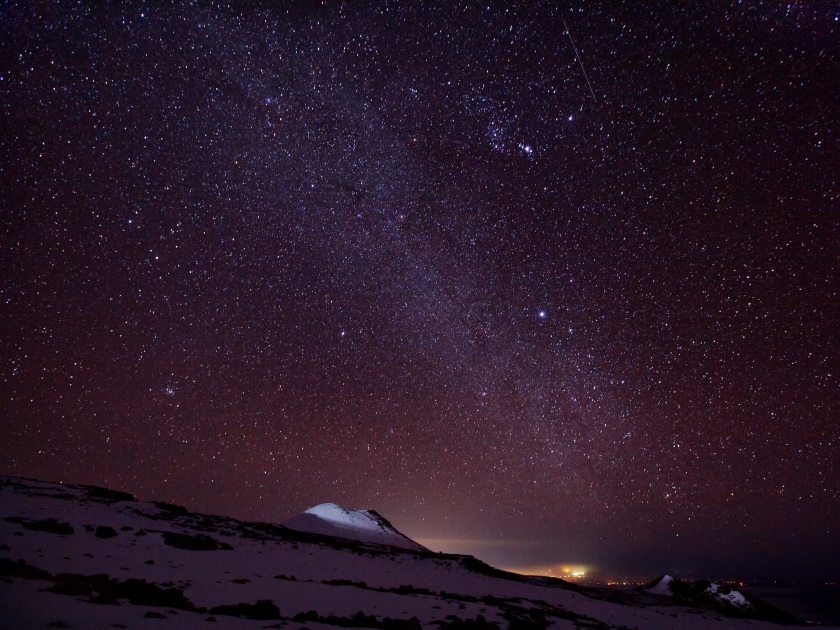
(551, 283)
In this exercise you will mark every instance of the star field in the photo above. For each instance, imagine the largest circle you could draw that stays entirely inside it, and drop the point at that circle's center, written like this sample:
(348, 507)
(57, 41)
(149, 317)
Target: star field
(408, 256)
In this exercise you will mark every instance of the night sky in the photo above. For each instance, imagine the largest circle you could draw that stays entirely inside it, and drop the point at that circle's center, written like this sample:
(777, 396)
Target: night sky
(411, 257)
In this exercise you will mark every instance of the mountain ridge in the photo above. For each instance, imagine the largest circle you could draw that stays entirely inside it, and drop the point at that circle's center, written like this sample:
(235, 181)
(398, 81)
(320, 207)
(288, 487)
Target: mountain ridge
(65, 550)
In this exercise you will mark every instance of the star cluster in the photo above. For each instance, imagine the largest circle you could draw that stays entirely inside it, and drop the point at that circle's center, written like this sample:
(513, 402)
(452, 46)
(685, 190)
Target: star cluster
(409, 256)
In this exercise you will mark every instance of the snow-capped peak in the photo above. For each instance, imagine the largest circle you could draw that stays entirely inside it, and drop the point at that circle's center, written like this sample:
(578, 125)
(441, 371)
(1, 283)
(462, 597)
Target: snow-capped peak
(342, 517)
(661, 586)
(363, 525)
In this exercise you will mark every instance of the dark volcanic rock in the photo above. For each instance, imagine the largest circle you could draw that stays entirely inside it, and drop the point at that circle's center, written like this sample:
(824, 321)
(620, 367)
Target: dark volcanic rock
(172, 510)
(198, 542)
(103, 531)
(22, 569)
(71, 587)
(263, 609)
(105, 590)
(49, 525)
(108, 496)
(479, 623)
(361, 620)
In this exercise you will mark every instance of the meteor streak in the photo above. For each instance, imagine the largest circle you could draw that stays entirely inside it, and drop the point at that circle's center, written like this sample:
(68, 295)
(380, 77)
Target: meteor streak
(577, 56)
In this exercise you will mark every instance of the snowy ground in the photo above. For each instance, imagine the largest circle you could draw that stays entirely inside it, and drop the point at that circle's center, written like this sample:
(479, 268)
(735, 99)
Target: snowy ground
(85, 554)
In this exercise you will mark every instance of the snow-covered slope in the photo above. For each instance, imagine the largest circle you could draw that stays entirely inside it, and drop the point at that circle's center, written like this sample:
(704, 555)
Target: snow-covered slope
(85, 557)
(364, 525)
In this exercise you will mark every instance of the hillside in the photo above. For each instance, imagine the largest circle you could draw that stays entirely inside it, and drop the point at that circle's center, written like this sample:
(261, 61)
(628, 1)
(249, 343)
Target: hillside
(80, 556)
